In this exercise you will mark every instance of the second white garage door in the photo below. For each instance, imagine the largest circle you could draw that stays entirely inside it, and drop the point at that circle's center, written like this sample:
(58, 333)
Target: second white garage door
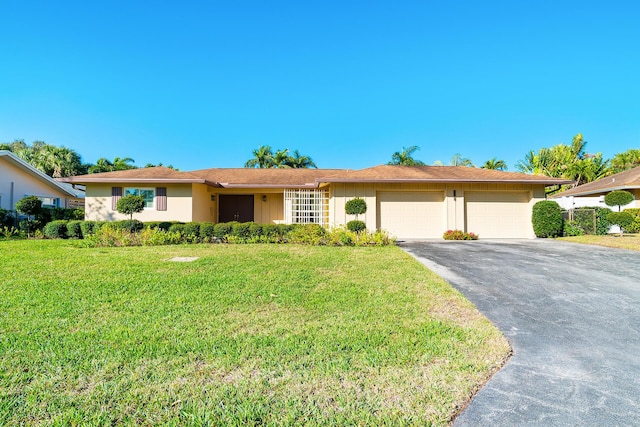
(498, 214)
(411, 214)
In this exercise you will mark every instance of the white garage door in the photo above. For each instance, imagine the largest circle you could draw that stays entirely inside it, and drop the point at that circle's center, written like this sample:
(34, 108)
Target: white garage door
(411, 214)
(498, 214)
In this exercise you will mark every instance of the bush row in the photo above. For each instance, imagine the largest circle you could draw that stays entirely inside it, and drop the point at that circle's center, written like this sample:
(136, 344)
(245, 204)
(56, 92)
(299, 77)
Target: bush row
(134, 232)
(459, 235)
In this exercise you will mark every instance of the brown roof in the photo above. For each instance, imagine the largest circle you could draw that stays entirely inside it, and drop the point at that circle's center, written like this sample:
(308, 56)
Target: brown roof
(278, 178)
(386, 173)
(159, 174)
(626, 180)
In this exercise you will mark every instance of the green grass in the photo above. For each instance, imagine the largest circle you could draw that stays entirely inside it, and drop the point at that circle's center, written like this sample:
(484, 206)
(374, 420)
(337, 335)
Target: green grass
(627, 241)
(246, 335)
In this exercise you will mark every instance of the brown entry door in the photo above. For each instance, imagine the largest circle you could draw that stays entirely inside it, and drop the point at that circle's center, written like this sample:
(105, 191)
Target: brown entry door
(236, 208)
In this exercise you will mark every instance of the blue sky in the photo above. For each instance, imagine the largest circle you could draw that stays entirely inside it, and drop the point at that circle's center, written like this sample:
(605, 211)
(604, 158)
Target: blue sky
(202, 84)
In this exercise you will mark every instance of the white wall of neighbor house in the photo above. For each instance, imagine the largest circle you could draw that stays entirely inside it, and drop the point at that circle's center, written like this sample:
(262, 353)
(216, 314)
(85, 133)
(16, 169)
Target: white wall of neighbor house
(15, 183)
(428, 210)
(98, 206)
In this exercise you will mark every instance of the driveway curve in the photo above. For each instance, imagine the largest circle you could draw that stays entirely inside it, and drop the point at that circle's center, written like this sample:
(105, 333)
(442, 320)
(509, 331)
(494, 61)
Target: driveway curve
(572, 315)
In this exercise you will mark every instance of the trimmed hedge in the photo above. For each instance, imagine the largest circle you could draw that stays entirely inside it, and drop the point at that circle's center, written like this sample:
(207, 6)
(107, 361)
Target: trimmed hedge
(56, 229)
(356, 226)
(547, 219)
(74, 229)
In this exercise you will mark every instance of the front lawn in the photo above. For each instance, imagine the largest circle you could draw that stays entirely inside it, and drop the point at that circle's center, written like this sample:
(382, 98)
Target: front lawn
(245, 335)
(627, 241)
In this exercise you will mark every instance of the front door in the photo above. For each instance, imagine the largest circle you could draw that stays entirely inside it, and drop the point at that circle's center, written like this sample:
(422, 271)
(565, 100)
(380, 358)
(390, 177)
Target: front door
(236, 208)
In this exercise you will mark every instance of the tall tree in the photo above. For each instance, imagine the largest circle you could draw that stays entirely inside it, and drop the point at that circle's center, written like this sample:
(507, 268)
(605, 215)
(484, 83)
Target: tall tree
(495, 164)
(299, 161)
(52, 160)
(626, 160)
(459, 160)
(118, 164)
(262, 158)
(566, 161)
(405, 157)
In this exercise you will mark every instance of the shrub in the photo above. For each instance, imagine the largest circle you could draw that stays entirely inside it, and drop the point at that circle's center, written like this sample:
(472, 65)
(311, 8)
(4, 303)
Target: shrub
(547, 219)
(255, 229)
(131, 225)
(74, 229)
(56, 229)
(355, 207)
(30, 206)
(87, 228)
(634, 227)
(618, 198)
(356, 226)
(207, 231)
(177, 227)
(222, 230)
(7, 218)
(192, 229)
(130, 204)
(308, 234)
(573, 228)
(621, 219)
(241, 230)
(602, 223)
(459, 235)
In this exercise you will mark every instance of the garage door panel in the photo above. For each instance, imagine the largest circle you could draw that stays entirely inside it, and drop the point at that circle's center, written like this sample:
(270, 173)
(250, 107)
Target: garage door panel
(411, 214)
(498, 214)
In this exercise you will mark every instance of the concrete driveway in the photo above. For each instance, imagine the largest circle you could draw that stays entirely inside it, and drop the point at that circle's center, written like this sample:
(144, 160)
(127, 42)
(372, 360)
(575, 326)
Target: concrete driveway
(572, 315)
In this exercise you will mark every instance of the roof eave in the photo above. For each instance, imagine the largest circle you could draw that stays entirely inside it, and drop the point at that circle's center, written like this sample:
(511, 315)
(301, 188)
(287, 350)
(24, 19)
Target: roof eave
(599, 191)
(444, 180)
(72, 179)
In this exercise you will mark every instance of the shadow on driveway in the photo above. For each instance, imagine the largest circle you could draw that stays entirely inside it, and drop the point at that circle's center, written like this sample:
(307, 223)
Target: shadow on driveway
(572, 315)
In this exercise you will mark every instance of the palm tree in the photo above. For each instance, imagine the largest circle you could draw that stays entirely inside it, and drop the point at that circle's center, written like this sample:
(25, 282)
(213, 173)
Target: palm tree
(625, 160)
(102, 165)
(405, 157)
(262, 158)
(495, 164)
(458, 160)
(122, 163)
(299, 161)
(281, 159)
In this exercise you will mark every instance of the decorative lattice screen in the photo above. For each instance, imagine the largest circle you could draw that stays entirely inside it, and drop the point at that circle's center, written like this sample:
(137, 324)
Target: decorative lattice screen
(303, 206)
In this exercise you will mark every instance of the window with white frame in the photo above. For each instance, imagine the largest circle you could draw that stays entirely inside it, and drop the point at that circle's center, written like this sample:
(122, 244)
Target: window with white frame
(148, 194)
(306, 206)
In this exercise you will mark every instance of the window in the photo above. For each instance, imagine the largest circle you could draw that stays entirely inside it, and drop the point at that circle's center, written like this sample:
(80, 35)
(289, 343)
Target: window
(306, 206)
(148, 194)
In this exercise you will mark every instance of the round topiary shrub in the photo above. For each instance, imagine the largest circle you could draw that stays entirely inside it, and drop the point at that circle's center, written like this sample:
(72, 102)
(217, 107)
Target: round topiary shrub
(547, 219)
(192, 229)
(621, 219)
(356, 226)
(206, 231)
(618, 198)
(56, 229)
(355, 207)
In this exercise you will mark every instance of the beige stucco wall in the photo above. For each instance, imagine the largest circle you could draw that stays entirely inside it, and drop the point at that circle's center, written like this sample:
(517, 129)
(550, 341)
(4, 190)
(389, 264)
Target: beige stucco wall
(179, 203)
(25, 184)
(454, 207)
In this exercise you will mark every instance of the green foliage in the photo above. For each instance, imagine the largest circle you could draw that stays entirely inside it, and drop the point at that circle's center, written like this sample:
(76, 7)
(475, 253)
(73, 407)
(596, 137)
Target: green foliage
(30, 205)
(207, 232)
(634, 227)
(52, 160)
(602, 223)
(241, 230)
(356, 226)
(405, 157)
(265, 158)
(130, 204)
(622, 219)
(547, 219)
(56, 229)
(74, 229)
(309, 234)
(355, 206)
(459, 235)
(573, 228)
(130, 225)
(109, 236)
(177, 227)
(192, 229)
(88, 228)
(618, 198)
(222, 230)
(7, 218)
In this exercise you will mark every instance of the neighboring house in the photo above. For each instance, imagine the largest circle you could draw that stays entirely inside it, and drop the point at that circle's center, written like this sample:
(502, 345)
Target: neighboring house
(19, 179)
(407, 201)
(592, 193)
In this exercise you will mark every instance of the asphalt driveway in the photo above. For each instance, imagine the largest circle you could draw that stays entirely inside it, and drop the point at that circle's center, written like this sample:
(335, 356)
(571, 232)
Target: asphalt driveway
(572, 315)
